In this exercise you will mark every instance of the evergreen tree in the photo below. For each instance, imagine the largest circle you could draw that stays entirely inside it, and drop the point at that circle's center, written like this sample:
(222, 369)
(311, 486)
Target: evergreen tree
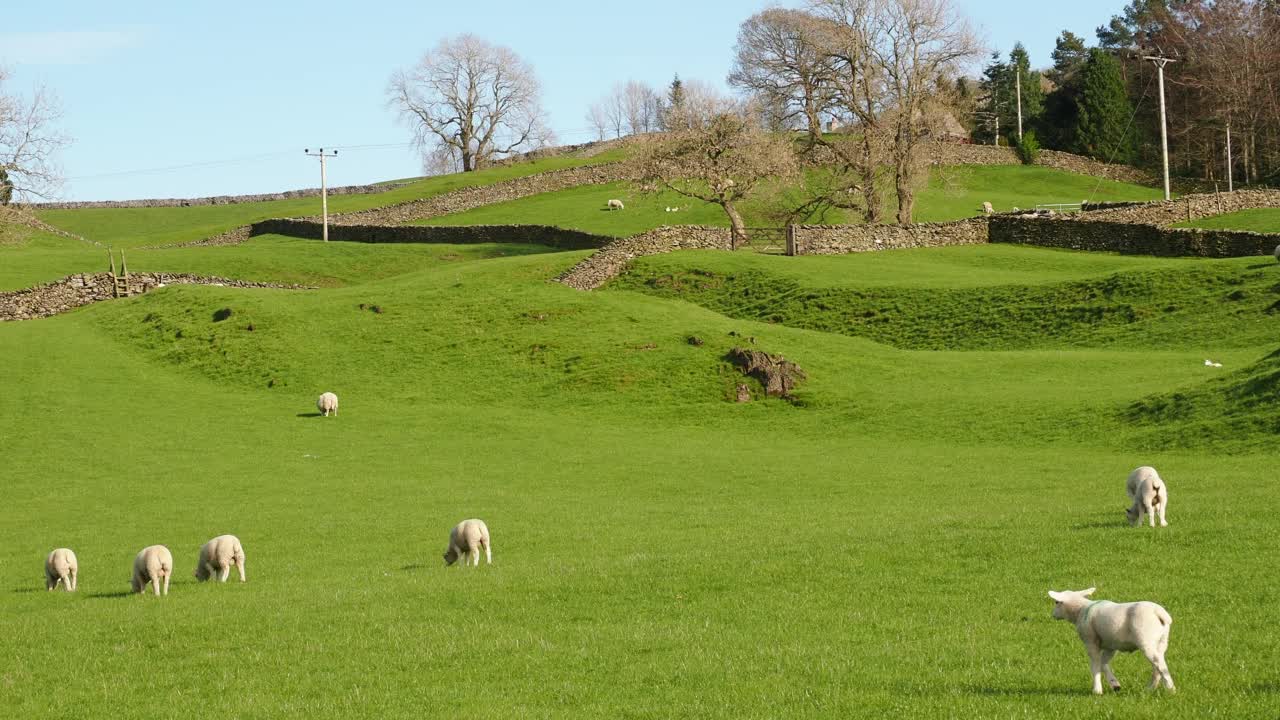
(995, 99)
(6, 187)
(1103, 112)
(1057, 125)
(675, 101)
(1032, 90)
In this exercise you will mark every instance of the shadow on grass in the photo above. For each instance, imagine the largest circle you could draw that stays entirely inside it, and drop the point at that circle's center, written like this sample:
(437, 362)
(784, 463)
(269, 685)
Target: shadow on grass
(1265, 688)
(413, 567)
(109, 595)
(311, 414)
(1082, 691)
(1101, 525)
(28, 590)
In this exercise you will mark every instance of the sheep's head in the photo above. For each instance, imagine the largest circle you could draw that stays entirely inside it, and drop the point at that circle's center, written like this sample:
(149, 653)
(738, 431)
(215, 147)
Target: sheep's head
(1067, 603)
(1132, 514)
(450, 557)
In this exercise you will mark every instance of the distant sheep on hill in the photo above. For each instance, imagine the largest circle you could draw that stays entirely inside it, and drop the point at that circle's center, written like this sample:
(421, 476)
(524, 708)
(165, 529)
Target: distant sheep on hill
(154, 564)
(1278, 253)
(61, 567)
(616, 204)
(218, 556)
(327, 403)
(465, 541)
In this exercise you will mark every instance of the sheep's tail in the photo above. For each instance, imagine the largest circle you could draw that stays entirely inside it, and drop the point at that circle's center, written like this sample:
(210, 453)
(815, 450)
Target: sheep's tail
(1164, 617)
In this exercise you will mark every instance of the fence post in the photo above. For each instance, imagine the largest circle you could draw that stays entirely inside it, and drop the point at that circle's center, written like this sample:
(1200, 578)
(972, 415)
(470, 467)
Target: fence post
(792, 250)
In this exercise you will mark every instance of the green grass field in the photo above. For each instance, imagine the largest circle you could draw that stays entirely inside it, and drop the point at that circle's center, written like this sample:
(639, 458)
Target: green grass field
(1263, 220)
(132, 227)
(951, 194)
(881, 547)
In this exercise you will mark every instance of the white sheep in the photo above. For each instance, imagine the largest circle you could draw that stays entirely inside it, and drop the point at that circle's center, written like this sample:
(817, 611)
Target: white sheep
(1107, 628)
(465, 541)
(1278, 253)
(153, 564)
(61, 567)
(987, 209)
(218, 556)
(1150, 495)
(327, 403)
(616, 204)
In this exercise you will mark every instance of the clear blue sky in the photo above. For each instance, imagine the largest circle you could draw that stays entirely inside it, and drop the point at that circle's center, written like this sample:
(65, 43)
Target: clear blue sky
(149, 85)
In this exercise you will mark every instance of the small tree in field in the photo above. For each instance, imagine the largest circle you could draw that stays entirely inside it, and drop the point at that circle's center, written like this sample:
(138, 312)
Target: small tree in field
(724, 159)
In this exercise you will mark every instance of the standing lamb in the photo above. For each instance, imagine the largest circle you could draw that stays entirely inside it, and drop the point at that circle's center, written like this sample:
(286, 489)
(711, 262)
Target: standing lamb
(616, 204)
(465, 541)
(1107, 628)
(153, 564)
(1149, 494)
(327, 403)
(217, 556)
(61, 567)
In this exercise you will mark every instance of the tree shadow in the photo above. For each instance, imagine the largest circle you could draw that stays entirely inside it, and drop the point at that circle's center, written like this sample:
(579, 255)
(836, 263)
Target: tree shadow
(310, 415)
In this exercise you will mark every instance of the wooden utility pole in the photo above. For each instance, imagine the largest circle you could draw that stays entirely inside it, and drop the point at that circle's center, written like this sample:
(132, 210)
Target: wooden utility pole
(1018, 83)
(1160, 62)
(1231, 186)
(324, 190)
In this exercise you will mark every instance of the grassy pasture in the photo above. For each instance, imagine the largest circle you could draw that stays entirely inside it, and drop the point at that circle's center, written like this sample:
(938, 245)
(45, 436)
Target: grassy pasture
(132, 227)
(952, 193)
(1263, 220)
(881, 547)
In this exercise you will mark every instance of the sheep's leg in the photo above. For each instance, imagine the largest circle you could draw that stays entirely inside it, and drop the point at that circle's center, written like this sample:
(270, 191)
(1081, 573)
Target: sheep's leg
(66, 581)
(240, 568)
(73, 580)
(1163, 507)
(1095, 669)
(1151, 515)
(155, 585)
(1106, 669)
(488, 554)
(474, 557)
(166, 583)
(226, 573)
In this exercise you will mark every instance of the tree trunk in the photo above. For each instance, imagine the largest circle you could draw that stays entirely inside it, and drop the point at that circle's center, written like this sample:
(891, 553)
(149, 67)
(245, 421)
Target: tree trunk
(902, 156)
(869, 193)
(737, 228)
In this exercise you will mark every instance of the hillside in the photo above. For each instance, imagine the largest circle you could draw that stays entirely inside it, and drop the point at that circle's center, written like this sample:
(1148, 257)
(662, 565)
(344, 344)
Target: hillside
(968, 419)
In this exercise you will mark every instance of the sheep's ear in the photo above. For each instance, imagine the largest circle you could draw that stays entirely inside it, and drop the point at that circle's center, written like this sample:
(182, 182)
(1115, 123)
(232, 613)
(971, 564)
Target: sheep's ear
(1055, 595)
(1090, 591)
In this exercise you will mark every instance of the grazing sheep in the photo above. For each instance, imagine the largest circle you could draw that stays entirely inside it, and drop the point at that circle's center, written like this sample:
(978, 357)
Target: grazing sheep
(1278, 253)
(327, 403)
(153, 564)
(217, 556)
(987, 209)
(616, 204)
(1107, 628)
(465, 541)
(61, 567)
(1149, 494)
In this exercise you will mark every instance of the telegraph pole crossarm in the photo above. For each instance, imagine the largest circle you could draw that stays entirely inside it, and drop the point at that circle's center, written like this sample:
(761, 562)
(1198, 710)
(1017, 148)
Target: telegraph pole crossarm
(324, 189)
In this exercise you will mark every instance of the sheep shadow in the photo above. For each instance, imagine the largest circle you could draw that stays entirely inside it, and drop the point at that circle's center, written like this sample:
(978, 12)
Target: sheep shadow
(413, 567)
(1101, 525)
(989, 691)
(111, 595)
(1265, 688)
(27, 590)
(310, 415)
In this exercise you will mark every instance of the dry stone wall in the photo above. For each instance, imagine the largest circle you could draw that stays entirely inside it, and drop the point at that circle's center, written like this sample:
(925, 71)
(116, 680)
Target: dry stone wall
(474, 197)
(841, 239)
(610, 261)
(217, 199)
(459, 235)
(964, 154)
(1184, 209)
(77, 290)
(1084, 233)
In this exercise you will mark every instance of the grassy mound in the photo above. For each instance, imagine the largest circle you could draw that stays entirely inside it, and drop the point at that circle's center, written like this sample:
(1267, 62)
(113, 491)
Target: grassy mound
(952, 193)
(1175, 304)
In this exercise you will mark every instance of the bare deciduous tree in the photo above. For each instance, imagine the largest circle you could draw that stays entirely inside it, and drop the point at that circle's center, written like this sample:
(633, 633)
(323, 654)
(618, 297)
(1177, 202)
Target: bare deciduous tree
(632, 108)
(479, 101)
(778, 62)
(723, 158)
(29, 143)
(919, 46)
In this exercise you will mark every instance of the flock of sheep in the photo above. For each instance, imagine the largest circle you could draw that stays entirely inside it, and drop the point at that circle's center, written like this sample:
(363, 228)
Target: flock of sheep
(153, 565)
(1105, 627)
